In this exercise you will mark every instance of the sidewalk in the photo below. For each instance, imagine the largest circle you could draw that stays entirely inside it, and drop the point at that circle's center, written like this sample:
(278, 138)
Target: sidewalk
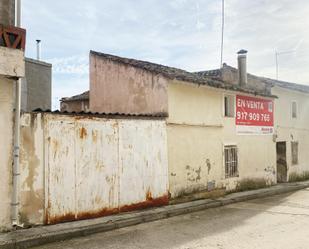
(47, 234)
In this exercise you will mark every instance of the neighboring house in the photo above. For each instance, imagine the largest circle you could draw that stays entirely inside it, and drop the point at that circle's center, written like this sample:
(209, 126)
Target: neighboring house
(119, 85)
(205, 148)
(292, 130)
(291, 121)
(36, 86)
(77, 103)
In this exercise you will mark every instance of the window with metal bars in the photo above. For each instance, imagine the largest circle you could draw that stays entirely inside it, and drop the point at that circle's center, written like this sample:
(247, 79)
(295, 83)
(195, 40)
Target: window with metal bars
(231, 161)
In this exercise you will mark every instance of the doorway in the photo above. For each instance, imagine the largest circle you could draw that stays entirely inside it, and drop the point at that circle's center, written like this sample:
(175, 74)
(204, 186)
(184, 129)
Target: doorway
(282, 169)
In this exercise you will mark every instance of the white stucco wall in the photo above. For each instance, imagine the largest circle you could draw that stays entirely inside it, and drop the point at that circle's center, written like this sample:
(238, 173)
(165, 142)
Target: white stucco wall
(6, 128)
(197, 133)
(290, 129)
(32, 162)
(12, 62)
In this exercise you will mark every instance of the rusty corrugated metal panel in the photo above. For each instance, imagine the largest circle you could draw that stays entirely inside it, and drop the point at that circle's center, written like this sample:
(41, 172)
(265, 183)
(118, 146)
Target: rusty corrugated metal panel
(103, 166)
(96, 168)
(111, 115)
(143, 162)
(61, 171)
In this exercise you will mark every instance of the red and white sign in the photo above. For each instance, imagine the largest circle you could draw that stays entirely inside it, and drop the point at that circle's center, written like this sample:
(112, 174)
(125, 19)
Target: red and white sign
(254, 115)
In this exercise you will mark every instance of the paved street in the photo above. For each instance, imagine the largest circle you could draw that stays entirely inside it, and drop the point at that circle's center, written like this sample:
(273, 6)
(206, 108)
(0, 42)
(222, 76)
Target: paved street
(274, 222)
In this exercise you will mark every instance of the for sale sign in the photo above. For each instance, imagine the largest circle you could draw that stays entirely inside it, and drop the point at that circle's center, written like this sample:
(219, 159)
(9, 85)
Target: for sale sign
(254, 115)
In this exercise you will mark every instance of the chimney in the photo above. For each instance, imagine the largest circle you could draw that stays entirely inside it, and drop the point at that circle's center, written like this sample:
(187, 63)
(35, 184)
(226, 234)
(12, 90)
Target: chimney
(242, 67)
(38, 50)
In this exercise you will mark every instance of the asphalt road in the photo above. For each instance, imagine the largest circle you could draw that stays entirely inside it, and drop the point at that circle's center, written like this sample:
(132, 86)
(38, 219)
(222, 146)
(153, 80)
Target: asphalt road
(280, 221)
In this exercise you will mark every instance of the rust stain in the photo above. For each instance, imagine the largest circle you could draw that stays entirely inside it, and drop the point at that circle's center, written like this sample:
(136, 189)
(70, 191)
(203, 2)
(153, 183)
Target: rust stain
(94, 136)
(148, 195)
(98, 200)
(99, 166)
(154, 202)
(55, 146)
(83, 133)
(81, 216)
(101, 213)
(82, 117)
(115, 125)
(60, 219)
(150, 202)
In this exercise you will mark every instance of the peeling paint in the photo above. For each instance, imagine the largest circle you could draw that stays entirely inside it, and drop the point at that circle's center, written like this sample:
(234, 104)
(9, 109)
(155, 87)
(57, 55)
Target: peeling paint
(193, 175)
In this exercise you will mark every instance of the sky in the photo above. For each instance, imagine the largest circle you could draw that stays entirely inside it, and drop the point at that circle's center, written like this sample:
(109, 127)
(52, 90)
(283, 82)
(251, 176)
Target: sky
(181, 33)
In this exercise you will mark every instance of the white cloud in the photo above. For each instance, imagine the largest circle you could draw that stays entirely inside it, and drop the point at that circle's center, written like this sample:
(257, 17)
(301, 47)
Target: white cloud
(181, 33)
(76, 65)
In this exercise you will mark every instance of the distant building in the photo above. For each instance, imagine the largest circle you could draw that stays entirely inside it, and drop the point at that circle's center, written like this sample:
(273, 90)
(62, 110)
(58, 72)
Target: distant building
(77, 103)
(36, 86)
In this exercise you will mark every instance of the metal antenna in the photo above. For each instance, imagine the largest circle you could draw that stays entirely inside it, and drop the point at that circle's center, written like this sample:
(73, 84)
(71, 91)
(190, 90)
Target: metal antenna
(277, 59)
(222, 34)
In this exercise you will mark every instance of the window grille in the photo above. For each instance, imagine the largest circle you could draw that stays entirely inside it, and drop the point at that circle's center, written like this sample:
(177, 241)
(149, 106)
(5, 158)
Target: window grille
(231, 161)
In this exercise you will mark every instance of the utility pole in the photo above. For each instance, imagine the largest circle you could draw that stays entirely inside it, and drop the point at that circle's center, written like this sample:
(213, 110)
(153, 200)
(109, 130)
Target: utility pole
(18, 13)
(222, 33)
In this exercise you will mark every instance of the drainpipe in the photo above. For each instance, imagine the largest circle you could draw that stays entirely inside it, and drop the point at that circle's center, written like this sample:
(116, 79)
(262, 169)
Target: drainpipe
(16, 166)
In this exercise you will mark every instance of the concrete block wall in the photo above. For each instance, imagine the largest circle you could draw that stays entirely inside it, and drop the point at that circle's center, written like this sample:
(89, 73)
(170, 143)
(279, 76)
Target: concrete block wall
(37, 85)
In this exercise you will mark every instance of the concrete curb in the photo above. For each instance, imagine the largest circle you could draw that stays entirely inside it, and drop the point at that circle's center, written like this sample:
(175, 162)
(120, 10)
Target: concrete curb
(47, 234)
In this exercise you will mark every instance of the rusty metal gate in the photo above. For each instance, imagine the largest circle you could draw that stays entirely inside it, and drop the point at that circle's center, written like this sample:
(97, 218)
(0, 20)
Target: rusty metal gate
(97, 167)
